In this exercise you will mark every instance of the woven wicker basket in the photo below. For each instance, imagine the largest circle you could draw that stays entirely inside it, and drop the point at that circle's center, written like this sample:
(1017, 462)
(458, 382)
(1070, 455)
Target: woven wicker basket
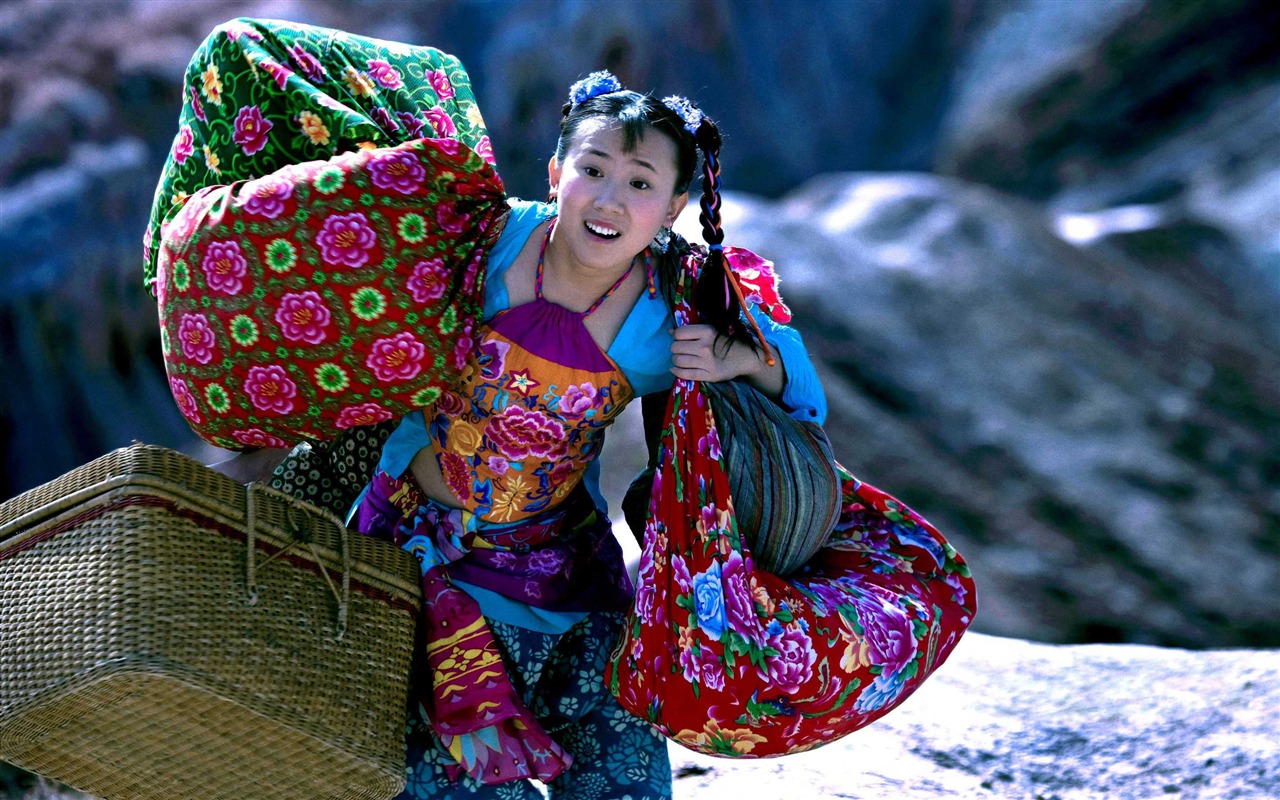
(144, 655)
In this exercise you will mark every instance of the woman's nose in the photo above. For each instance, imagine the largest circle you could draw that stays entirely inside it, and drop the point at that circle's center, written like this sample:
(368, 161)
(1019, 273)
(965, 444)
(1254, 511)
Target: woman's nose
(609, 197)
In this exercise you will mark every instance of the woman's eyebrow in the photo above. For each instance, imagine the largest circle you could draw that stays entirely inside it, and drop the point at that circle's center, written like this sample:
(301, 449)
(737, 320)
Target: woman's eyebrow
(604, 155)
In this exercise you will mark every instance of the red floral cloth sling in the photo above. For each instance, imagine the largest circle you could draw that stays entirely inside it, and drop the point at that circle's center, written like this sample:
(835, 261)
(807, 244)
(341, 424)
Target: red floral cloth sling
(733, 661)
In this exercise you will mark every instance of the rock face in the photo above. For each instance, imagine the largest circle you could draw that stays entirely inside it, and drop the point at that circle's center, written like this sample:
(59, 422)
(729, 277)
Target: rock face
(1008, 718)
(1098, 435)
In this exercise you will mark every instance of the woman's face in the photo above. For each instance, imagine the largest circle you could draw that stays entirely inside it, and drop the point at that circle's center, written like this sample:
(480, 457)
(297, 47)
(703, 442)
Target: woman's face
(613, 202)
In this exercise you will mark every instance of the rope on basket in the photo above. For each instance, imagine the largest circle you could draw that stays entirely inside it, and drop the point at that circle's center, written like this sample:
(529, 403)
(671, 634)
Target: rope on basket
(301, 534)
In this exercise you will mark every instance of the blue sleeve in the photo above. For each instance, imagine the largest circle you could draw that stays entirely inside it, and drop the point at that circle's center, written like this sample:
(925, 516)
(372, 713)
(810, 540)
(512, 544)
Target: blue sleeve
(802, 394)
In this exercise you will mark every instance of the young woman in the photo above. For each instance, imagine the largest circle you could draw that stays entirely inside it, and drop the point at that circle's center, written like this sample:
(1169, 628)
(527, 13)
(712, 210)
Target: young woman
(495, 487)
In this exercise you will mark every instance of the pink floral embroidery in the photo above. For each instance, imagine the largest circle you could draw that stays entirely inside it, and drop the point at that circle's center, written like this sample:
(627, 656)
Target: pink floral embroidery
(308, 63)
(485, 149)
(184, 146)
(397, 171)
(224, 267)
(270, 389)
(578, 400)
(498, 466)
(197, 338)
(440, 121)
(456, 474)
(302, 317)
(428, 281)
(363, 414)
(266, 197)
(518, 433)
(186, 401)
(346, 240)
(492, 359)
(398, 358)
(451, 219)
(256, 437)
(440, 82)
(251, 130)
(386, 75)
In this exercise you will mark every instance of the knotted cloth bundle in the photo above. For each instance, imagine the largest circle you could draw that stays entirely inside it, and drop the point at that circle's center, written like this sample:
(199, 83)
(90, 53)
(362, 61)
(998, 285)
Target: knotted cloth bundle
(731, 660)
(318, 238)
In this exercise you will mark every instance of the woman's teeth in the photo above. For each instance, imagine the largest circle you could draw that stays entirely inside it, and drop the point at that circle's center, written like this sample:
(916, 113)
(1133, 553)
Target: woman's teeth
(598, 230)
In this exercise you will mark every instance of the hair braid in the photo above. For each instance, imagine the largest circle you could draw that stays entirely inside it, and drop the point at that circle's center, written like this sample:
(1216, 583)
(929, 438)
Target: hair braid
(716, 302)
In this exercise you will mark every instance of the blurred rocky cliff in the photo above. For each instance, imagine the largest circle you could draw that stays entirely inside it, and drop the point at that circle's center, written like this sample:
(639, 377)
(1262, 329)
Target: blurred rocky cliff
(1060, 346)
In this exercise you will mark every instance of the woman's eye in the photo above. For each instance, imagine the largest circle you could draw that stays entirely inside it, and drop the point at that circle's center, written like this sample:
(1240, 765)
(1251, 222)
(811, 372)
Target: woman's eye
(639, 184)
(592, 171)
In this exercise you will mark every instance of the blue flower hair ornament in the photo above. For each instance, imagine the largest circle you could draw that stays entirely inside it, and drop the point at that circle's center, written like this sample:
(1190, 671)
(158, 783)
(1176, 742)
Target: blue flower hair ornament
(595, 84)
(686, 110)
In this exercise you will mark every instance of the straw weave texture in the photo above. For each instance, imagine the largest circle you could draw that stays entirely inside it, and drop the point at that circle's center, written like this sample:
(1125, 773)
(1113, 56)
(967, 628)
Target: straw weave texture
(133, 665)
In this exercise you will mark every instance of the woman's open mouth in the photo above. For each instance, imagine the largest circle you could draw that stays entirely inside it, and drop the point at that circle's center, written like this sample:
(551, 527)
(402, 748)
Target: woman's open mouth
(601, 231)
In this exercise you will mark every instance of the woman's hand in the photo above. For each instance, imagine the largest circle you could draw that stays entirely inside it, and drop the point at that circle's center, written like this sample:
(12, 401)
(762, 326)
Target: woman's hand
(698, 353)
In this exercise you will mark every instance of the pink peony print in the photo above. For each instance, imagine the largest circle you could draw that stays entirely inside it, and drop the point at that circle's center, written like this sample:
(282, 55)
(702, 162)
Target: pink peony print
(308, 64)
(412, 123)
(270, 389)
(712, 670)
(278, 72)
(440, 82)
(428, 281)
(383, 117)
(184, 145)
(398, 358)
(441, 122)
(346, 240)
(384, 74)
(196, 107)
(578, 400)
(266, 197)
(887, 631)
(463, 349)
(709, 445)
(302, 317)
(251, 130)
(197, 338)
(739, 599)
(224, 267)
(451, 219)
(793, 665)
(397, 171)
(186, 400)
(485, 149)
(256, 437)
(518, 433)
(363, 414)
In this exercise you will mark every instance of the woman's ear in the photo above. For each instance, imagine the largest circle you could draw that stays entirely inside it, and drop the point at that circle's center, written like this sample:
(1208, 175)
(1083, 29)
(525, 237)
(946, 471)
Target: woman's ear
(553, 174)
(677, 205)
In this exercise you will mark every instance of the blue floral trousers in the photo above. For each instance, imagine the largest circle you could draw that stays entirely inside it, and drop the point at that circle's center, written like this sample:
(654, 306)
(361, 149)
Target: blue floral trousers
(561, 679)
